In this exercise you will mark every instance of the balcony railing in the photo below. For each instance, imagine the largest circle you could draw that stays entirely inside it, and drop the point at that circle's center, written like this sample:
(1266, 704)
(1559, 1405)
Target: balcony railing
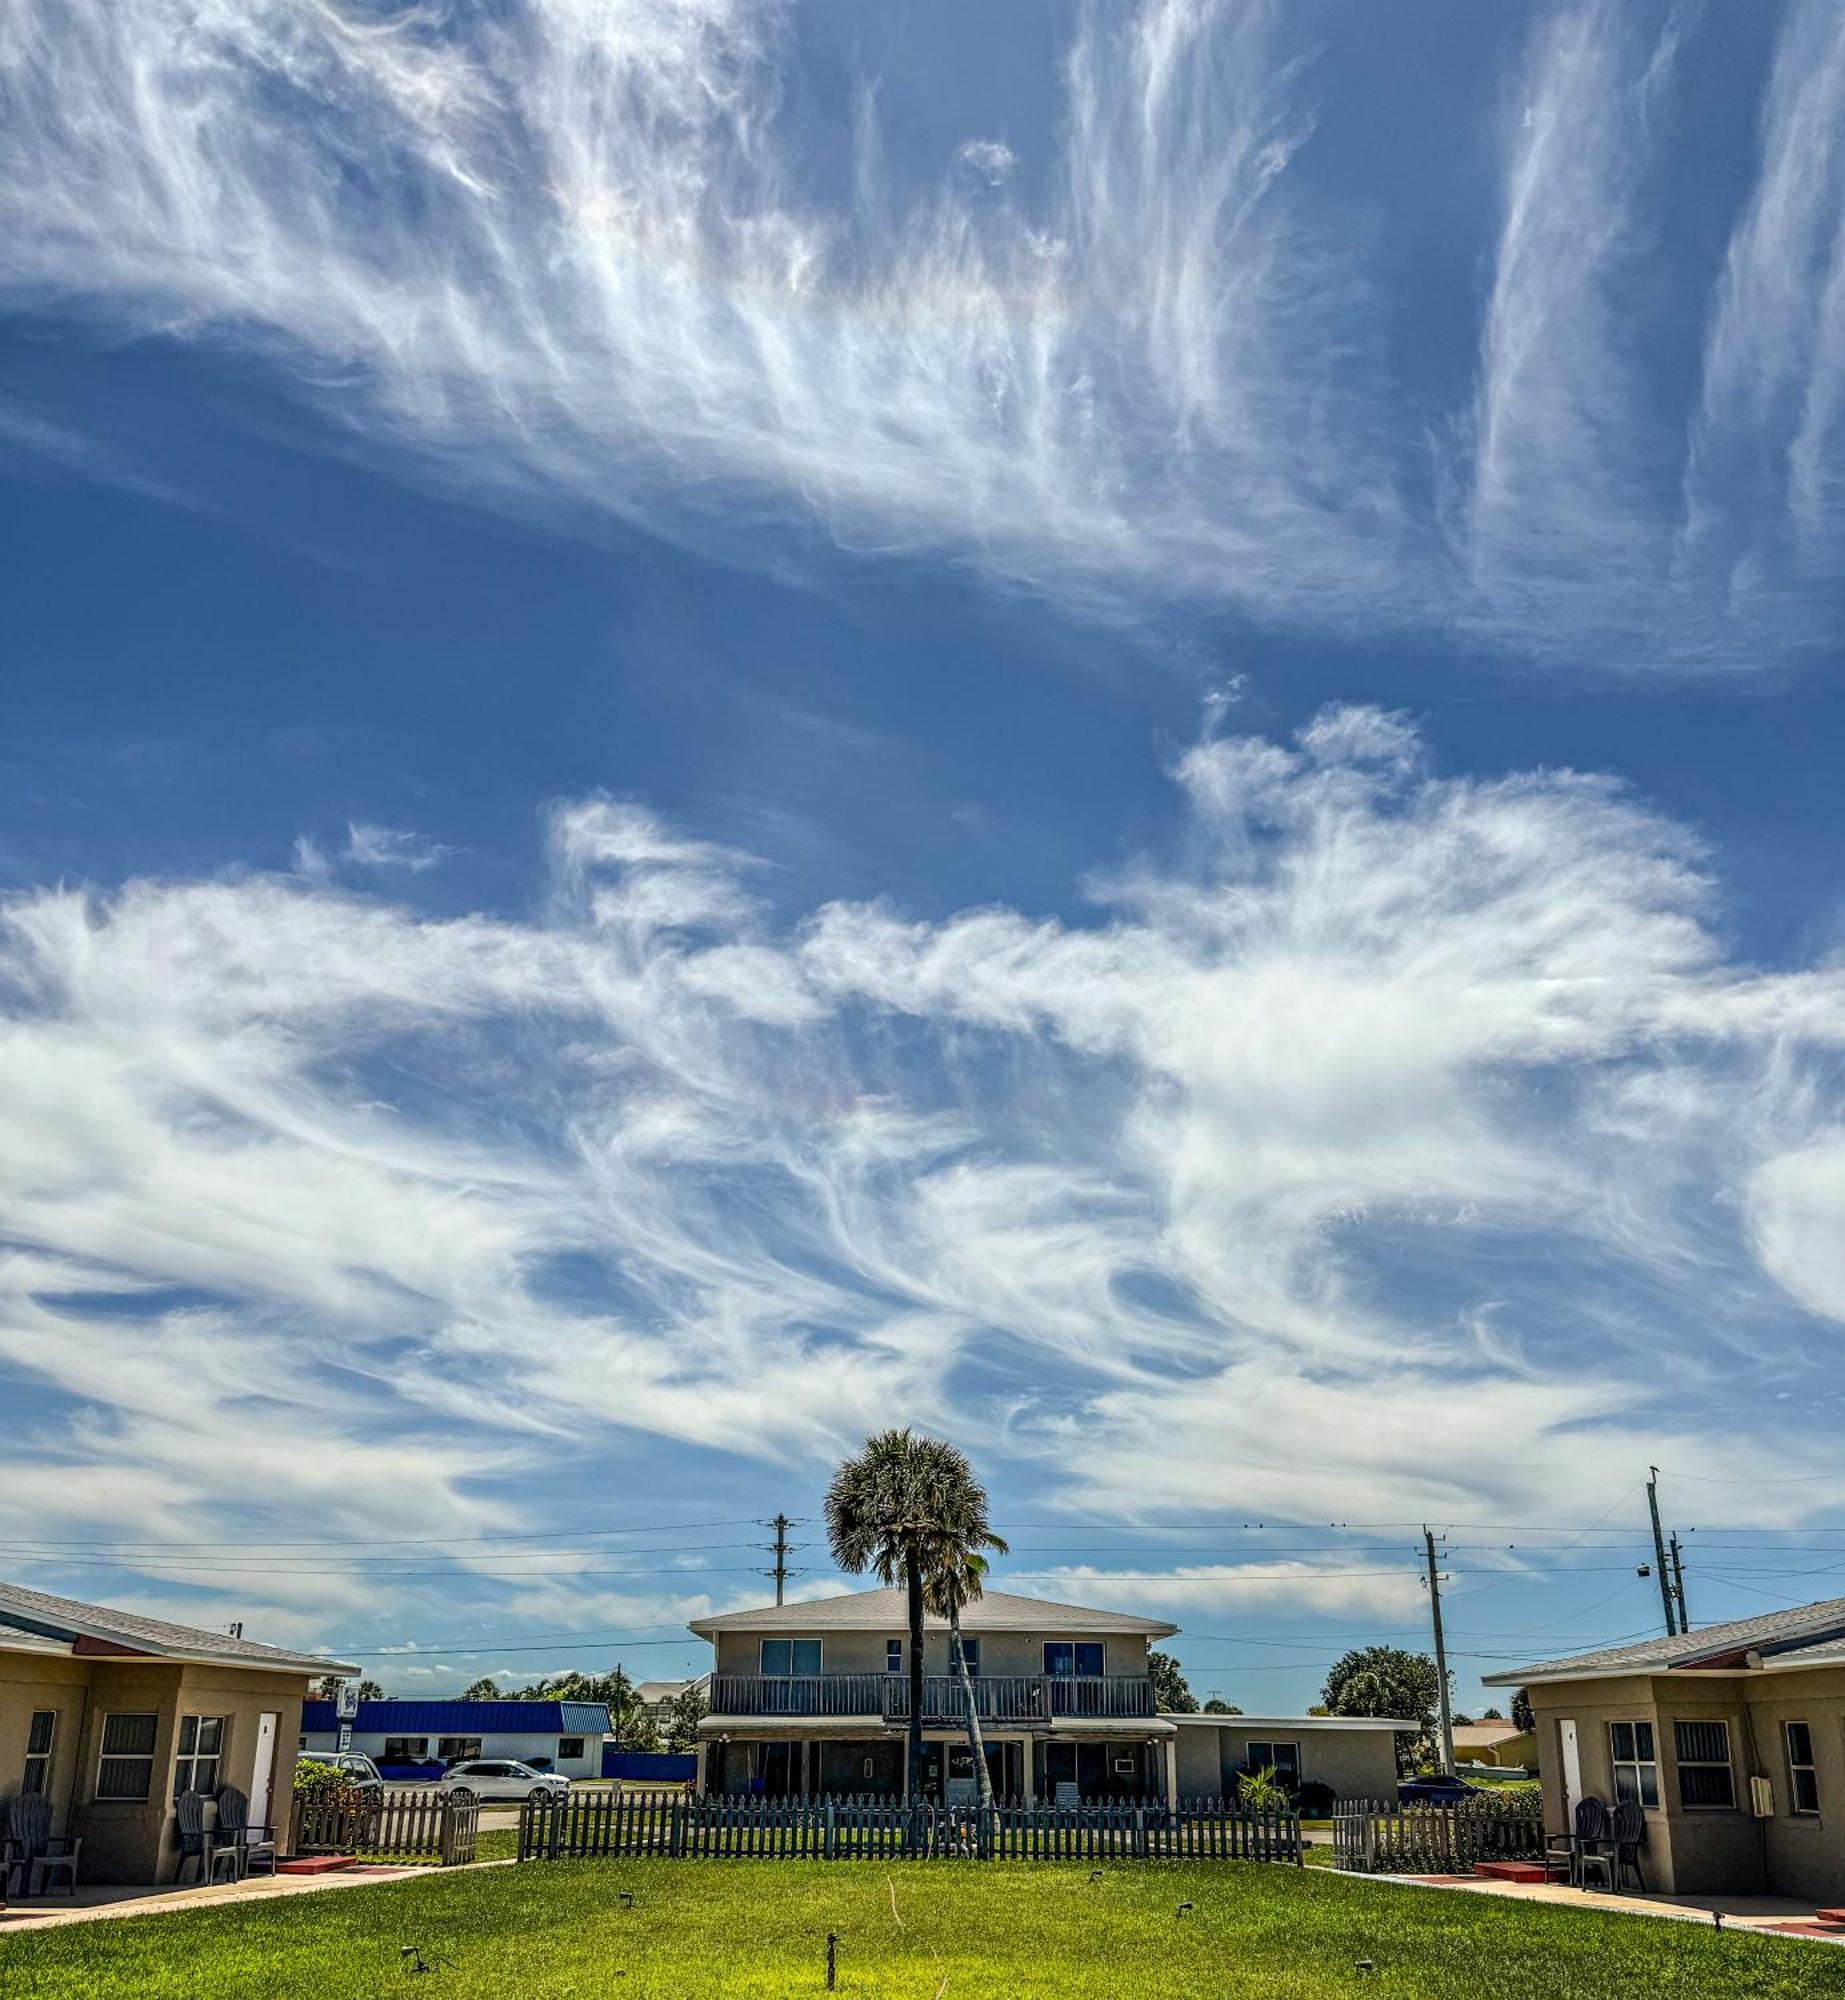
(1025, 1698)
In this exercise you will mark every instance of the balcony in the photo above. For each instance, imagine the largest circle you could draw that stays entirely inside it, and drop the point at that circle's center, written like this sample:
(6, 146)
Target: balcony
(999, 1698)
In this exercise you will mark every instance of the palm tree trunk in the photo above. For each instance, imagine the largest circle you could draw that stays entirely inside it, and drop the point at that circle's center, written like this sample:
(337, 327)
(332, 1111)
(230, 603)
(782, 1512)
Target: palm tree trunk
(983, 1778)
(913, 1581)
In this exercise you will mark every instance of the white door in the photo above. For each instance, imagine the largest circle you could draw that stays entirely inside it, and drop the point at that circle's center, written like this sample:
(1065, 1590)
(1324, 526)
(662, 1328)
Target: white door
(1571, 1755)
(262, 1773)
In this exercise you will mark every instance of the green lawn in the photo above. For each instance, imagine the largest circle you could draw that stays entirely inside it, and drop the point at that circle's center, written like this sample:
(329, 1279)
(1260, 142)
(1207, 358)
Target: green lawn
(757, 1931)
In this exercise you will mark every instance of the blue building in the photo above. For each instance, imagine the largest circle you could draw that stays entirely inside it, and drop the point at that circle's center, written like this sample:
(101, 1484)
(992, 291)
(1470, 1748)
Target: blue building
(421, 1739)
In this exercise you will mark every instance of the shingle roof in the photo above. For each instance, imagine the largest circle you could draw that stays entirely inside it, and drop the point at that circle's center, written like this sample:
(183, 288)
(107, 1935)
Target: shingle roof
(1777, 1632)
(37, 1613)
(888, 1611)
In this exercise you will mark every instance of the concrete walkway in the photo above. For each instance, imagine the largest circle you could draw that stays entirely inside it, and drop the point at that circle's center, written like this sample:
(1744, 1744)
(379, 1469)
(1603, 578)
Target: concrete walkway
(90, 1903)
(1783, 1916)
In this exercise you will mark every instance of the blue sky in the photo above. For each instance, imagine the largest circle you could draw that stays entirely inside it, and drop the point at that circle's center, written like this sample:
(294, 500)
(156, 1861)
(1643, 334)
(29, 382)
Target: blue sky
(1117, 733)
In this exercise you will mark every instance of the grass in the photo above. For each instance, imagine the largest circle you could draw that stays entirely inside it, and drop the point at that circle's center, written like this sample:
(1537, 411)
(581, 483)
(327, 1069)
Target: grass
(945, 1931)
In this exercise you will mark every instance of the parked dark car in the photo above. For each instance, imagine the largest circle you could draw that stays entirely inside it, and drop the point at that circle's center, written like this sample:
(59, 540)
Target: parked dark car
(1434, 1791)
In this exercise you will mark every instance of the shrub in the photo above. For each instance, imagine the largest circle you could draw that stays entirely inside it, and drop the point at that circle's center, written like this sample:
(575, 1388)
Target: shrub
(314, 1779)
(1261, 1791)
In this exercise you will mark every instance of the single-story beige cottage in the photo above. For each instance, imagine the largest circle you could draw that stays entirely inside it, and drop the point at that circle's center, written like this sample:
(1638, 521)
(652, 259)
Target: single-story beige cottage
(1732, 1741)
(110, 1716)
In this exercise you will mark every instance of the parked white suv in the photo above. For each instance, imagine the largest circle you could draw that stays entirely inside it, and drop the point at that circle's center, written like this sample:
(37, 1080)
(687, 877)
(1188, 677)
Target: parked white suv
(501, 1778)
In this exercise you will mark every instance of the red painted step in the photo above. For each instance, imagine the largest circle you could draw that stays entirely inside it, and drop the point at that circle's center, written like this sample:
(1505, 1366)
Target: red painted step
(1521, 1871)
(314, 1864)
(1836, 1917)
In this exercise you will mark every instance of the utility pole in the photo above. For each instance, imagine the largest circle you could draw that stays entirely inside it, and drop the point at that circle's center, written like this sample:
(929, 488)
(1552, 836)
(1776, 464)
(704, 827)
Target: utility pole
(1441, 1659)
(1678, 1583)
(1659, 1550)
(781, 1548)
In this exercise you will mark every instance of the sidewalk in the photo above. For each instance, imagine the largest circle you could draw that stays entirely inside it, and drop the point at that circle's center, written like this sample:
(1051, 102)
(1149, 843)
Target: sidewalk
(1781, 1916)
(88, 1904)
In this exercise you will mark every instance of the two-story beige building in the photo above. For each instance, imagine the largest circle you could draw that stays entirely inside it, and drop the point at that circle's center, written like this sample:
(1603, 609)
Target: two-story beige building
(813, 1700)
(1731, 1739)
(110, 1716)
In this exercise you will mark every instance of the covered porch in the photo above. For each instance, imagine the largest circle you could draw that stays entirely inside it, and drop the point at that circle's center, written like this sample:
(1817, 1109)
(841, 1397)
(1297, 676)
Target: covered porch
(812, 1757)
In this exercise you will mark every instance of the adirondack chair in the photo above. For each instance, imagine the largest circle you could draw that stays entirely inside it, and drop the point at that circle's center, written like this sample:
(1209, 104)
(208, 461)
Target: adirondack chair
(252, 1844)
(1585, 1837)
(36, 1856)
(211, 1857)
(1594, 1850)
(1626, 1835)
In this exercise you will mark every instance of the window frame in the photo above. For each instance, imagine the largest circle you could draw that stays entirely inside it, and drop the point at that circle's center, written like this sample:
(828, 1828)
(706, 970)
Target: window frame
(460, 1754)
(1801, 1767)
(1637, 1765)
(791, 1672)
(399, 1750)
(190, 1759)
(1288, 1769)
(35, 1781)
(1075, 1647)
(572, 1746)
(1726, 1764)
(970, 1655)
(106, 1757)
(893, 1656)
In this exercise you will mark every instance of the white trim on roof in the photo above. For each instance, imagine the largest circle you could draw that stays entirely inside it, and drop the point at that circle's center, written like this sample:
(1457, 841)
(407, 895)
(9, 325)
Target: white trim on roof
(1395, 1723)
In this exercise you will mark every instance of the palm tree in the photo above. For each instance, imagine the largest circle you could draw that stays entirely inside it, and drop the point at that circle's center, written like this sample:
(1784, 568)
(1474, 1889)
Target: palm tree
(952, 1584)
(909, 1508)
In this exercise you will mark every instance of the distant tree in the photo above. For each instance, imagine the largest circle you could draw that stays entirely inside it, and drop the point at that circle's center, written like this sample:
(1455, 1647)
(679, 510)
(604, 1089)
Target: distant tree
(1319, 1708)
(484, 1689)
(1522, 1718)
(686, 1711)
(1386, 1680)
(331, 1684)
(1491, 1715)
(631, 1725)
(1172, 1694)
(1218, 1706)
(1461, 1721)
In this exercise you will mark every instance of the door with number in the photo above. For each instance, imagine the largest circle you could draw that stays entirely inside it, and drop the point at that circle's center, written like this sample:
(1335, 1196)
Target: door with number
(262, 1774)
(1569, 1762)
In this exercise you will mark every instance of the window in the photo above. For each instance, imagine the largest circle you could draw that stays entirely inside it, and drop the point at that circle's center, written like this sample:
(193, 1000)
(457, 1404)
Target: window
(201, 1744)
(1802, 1778)
(1284, 1758)
(970, 1652)
(570, 1746)
(457, 1749)
(782, 1657)
(893, 1656)
(1704, 1764)
(1064, 1657)
(1636, 1763)
(38, 1751)
(404, 1750)
(126, 1769)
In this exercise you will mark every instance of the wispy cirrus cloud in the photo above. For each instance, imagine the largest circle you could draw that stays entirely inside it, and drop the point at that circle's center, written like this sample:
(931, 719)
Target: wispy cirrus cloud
(587, 256)
(1162, 1205)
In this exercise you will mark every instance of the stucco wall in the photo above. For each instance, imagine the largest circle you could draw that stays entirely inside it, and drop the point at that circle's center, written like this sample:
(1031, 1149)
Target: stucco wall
(1356, 1763)
(863, 1652)
(30, 1681)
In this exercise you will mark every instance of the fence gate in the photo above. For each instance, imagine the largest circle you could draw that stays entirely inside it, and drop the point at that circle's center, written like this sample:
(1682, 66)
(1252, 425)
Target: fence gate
(1381, 1837)
(610, 1825)
(411, 1825)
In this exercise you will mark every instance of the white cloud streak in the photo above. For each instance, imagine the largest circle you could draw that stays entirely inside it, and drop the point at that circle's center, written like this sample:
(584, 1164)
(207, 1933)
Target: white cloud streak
(1401, 1098)
(580, 254)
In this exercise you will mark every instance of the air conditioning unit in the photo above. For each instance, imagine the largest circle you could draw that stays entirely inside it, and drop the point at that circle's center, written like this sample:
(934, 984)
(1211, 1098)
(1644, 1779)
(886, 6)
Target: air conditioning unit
(1761, 1798)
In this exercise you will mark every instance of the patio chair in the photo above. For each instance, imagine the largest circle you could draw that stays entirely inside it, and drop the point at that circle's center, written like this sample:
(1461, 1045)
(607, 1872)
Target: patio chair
(1626, 1836)
(212, 1857)
(1587, 1832)
(1594, 1852)
(252, 1844)
(35, 1855)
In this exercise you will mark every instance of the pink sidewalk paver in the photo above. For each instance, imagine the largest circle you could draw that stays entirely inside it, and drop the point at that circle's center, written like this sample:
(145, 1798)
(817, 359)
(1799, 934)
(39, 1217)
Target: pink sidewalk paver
(90, 1904)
